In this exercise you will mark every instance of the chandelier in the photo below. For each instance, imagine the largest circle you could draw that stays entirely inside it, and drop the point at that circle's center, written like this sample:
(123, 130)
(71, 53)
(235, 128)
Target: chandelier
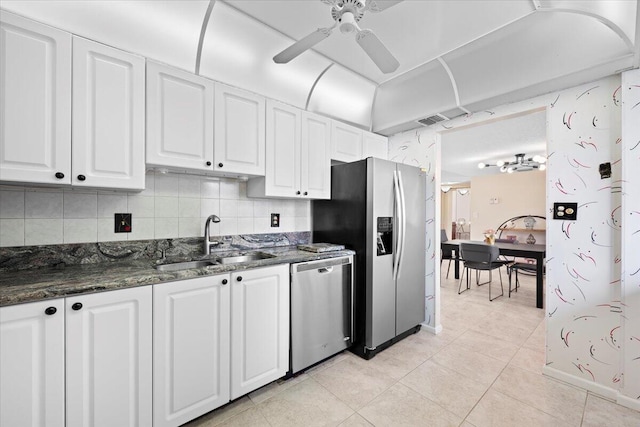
(521, 164)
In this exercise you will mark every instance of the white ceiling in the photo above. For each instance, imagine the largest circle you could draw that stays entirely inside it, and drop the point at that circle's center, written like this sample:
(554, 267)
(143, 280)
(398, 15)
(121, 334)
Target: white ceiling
(456, 56)
(463, 148)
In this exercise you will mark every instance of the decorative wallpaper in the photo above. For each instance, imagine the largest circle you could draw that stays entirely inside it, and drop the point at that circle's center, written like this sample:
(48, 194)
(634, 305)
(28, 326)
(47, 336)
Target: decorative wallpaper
(592, 299)
(630, 306)
(583, 302)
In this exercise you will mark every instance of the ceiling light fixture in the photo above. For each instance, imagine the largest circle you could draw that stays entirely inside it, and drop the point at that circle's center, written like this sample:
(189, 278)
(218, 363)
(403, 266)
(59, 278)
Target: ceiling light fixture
(445, 188)
(520, 164)
(463, 191)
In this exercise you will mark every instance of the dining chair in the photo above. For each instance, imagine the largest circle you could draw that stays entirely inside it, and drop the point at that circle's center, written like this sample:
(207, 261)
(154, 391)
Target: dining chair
(481, 257)
(445, 254)
(519, 266)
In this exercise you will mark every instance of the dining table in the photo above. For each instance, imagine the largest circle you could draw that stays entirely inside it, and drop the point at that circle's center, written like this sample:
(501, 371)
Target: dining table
(521, 250)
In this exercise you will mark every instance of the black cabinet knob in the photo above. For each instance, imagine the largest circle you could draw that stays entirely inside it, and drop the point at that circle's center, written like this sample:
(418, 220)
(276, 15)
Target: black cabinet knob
(225, 281)
(220, 165)
(305, 193)
(50, 310)
(76, 306)
(297, 192)
(208, 163)
(239, 279)
(59, 175)
(81, 177)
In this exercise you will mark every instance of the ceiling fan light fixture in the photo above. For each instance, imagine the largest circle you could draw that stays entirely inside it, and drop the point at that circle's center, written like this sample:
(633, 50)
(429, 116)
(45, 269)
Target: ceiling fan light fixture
(542, 167)
(482, 165)
(510, 170)
(499, 163)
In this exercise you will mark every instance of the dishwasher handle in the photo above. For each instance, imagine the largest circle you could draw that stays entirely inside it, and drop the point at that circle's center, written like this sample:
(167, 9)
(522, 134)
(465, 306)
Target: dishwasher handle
(325, 270)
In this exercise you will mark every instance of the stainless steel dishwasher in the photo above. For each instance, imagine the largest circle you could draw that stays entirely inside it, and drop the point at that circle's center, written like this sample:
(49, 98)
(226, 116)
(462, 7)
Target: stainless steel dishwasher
(321, 310)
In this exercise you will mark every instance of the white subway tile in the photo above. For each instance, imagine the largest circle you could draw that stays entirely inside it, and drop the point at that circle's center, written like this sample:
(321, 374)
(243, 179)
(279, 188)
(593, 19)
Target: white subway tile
(80, 230)
(166, 228)
(189, 207)
(109, 204)
(229, 189)
(228, 208)
(38, 204)
(12, 204)
(43, 231)
(302, 223)
(302, 208)
(189, 186)
(245, 225)
(214, 228)
(140, 206)
(260, 208)
(141, 229)
(167, 207)
(189, 227)
(209, 207)
(228, 226)
(288, 208)
(79, 205)
(210, 188)
(106, 231)
(287, 224)
(245, 209)
(11, 232)
(167, 185)
(262, 225)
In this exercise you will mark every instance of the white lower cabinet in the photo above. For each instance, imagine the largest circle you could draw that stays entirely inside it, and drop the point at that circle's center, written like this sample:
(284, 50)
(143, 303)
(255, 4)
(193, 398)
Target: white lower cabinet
(108, 358)
(32, 364)
(190, 348)
(259, 327)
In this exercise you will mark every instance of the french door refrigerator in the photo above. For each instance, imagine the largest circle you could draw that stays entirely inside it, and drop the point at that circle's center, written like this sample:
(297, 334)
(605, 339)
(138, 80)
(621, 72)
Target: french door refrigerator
(377, 208)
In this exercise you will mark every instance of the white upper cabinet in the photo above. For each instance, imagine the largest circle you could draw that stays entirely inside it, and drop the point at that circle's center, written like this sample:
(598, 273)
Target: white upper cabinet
(35, 83)
(315, 155)
(108, 117)
(239, 145)
(191, 326)
(375, 145)
(346, 142)
(179, 118)
(32, 364)
(108, 358)
(259, 327)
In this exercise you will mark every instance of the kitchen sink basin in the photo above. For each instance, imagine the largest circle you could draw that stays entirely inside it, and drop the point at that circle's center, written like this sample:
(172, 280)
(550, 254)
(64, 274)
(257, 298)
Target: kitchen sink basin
(243, 258)
(184, 265)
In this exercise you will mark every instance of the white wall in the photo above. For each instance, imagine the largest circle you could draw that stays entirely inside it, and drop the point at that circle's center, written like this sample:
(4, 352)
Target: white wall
(171, 206)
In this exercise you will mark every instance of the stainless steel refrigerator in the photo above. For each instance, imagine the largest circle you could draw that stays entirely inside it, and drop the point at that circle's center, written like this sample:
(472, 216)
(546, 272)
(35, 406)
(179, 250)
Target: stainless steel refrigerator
(377, 208)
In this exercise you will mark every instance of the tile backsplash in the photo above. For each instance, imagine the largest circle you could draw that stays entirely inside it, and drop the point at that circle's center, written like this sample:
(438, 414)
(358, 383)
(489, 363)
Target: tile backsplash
(171, 206)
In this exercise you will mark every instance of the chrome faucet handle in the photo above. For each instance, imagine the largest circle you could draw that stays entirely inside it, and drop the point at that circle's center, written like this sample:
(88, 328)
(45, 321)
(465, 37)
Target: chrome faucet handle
(207, 238)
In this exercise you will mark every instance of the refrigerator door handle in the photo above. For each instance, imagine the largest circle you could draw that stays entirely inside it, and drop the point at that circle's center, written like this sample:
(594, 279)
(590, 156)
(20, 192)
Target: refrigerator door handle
(403, 220)
(396, 225)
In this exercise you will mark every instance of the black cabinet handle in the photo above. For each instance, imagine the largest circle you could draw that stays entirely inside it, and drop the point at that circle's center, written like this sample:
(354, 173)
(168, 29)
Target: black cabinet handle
(50, 310)
(76, 306)
(305, 193)
(297, 192)
(208, 163)
(225, 281)
(81, 177)
(59, 175)
(220, 165)
(239, 279)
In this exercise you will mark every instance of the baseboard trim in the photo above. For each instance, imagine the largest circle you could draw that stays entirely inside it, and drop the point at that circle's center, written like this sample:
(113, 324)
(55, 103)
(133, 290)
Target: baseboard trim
(628, 402)
(606, 392)
(434, 330)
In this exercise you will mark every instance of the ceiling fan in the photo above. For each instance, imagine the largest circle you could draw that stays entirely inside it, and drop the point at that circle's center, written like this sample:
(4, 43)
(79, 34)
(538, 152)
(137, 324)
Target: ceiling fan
(347, 14)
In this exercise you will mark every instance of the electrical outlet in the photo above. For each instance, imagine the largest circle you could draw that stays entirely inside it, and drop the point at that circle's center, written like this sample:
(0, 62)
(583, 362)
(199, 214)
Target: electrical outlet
(122, 223)
(275, 220)
(567, 211)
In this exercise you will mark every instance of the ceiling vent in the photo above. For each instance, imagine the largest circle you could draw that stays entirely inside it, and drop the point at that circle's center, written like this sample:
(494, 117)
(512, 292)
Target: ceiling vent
(432, 120)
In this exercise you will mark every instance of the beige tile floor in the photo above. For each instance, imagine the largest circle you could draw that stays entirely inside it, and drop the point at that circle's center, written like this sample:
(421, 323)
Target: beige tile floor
(484, 369)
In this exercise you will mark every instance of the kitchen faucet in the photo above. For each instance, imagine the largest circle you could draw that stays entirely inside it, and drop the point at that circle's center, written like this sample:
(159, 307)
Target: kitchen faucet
(207, 238)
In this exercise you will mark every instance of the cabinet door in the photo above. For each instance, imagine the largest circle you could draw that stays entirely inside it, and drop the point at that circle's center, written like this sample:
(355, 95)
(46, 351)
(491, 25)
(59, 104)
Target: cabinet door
(346, 142)
(282, 176)
(32, 364)
(108, 117)
(35, 82)
(190, 348)
(315, 172)
(239, 146)
(179, 118)
(108, 348)
(259, 328)
(375, 145)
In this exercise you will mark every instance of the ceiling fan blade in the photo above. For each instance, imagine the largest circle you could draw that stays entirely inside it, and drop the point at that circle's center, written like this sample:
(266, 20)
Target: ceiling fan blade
(303, 44)
(380, 5)
(377, 51)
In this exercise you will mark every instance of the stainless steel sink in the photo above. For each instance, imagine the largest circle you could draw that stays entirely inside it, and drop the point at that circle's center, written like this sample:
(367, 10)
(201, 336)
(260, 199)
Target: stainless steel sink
(244, 258)
(184, 265)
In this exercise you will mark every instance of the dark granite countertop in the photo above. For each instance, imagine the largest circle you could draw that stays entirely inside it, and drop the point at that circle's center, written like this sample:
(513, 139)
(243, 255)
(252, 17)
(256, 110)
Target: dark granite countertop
(45, 283)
